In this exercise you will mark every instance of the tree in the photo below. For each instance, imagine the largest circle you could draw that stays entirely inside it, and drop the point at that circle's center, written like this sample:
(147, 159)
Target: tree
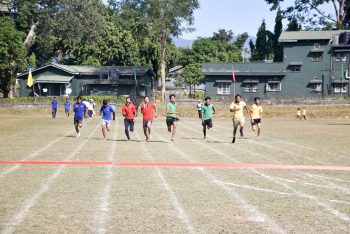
(293, 25)
(192, 75)
(261, 46)
(12, 54)
(277, 47)
(166, 19)
(223, 35)
(311, 14)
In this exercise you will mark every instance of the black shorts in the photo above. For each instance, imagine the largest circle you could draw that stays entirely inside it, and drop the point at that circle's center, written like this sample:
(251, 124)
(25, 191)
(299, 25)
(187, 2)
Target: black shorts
(171, 121)
(208, 122)
(78, 120)
(256, 121)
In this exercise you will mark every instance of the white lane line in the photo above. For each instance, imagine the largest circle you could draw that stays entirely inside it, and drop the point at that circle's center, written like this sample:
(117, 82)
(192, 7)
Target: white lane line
(331, 210)
(256, 215)
(331, 178)
(101, 215)
(18, 218)
(279, 192)
(181, 213)
(35, 154)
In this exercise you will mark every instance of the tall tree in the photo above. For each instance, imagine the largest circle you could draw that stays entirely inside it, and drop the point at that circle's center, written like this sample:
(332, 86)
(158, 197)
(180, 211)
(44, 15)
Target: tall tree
(311, 14)
(277, 47)
(166, 18)
(12, 54)
(293, 25)
(261, 45)
(223, 35)
(192, 76)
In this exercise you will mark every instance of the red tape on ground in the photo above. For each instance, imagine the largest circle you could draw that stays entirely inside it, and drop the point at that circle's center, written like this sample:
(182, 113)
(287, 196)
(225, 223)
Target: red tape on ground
(182, 165)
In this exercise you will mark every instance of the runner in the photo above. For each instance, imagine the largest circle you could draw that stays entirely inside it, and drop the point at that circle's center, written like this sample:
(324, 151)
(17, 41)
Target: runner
(207, 114)
(199, 109)
(54, 105)
(106, 111)
(256, 111)
(147, 111)
(79, 110)
(298, 114)
(304, 113)
(129, 113)
(172, 116)
(238, 117)
(67, 107)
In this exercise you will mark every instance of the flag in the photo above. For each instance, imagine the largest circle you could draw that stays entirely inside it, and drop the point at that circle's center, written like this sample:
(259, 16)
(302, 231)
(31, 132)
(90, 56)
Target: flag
(233, 75)
(135, 77)
(30, 79)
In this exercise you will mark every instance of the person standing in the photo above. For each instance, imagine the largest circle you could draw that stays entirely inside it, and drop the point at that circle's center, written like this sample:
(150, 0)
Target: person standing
(171, 116)
(147, 110)
(54, 105)
(199, 109)
(129, 113)
(298, 114)
(79, 110)
(207, 114)
(106, 112)
(238, 117)
(304, 113)
(67, 107)
(256, 111)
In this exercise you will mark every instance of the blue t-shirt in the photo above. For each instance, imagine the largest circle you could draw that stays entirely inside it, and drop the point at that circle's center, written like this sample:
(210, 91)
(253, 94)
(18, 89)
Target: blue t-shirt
(54, 104)
(79, 110)
(106, 112)
(67, 105)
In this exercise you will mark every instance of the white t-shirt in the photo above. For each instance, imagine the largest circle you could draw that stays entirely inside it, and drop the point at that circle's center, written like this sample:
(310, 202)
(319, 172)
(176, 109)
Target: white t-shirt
(199, 106)
(88, 105)
(298, 112)
(304, 112)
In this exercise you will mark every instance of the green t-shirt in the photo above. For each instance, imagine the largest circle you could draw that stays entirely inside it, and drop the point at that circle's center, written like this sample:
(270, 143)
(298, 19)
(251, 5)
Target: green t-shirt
(207, 111)
(170, 107)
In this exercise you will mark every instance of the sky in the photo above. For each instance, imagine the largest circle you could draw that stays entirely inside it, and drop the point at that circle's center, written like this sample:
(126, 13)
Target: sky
(237, 15)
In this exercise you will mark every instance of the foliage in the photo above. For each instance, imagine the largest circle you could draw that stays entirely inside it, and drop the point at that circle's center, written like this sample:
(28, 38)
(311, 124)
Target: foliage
(264, 44)
(191, 76)
(293, 25)
(277, 47)
(12, 54)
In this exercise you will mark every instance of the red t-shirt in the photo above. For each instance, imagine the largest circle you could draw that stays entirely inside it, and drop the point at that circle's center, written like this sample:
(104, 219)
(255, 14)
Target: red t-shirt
(129, 111)
(147, 111)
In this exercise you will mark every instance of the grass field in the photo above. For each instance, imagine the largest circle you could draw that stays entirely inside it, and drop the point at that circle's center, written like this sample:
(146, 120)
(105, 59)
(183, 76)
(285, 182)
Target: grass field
(295, 179)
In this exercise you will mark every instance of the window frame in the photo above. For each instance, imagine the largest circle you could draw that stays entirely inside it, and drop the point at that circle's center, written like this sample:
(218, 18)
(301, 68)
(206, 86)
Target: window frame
(251, 88)
(223, 88)
(268, 88)
(317, 57)
(340, 88)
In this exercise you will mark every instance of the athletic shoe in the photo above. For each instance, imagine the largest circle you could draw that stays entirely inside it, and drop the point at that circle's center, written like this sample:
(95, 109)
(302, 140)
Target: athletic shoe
(241, 132)
(233, 140)
(78, 134)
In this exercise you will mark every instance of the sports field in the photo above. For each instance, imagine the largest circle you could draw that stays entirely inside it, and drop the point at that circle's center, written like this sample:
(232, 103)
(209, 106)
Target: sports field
(295, 179)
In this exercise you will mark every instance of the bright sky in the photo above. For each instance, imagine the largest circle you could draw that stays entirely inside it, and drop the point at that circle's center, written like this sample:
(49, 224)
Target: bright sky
(236, 15)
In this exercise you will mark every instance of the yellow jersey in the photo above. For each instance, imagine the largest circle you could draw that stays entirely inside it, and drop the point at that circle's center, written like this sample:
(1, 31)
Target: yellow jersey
(256, 111)
(239, 109)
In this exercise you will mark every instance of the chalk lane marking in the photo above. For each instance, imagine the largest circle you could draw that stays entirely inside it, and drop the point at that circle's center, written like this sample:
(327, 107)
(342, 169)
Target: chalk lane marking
(10, 227)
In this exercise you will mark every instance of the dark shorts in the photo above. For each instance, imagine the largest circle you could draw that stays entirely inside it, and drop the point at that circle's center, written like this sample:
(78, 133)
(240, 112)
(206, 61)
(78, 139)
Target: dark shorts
(78, 120)
(66, 110)
(171, 121)
(256, 121)
(208, 122)
(90, 113)
(145, 122)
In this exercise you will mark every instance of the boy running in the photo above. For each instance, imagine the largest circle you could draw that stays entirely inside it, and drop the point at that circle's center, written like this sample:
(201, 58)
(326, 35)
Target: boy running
(256, 111)
(54, 105)
(106, 111)
(67, 107)
(238, 117)
(207, 114)
(298, 114)
(304, 113)
(147, 111)
(171, 116)
(129, 113)
(79, 110)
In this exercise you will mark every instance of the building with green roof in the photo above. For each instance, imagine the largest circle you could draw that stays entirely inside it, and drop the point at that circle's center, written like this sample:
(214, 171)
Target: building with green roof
(315, 64)
(61, 80)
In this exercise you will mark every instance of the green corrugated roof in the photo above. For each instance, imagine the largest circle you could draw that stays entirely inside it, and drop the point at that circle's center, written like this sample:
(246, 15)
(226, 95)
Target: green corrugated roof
(53, 78)
(308, 35)
(245, 69)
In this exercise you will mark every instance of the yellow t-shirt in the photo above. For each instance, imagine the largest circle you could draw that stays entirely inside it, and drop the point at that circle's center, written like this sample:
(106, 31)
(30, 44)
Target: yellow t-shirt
(239, 109)
(256, 111)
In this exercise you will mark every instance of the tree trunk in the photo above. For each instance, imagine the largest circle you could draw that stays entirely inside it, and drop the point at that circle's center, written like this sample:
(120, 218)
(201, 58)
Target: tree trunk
(163, 45)
(31, 36)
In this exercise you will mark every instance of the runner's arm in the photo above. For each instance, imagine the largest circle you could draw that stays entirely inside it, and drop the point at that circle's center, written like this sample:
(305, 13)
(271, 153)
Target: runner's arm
(214, 111)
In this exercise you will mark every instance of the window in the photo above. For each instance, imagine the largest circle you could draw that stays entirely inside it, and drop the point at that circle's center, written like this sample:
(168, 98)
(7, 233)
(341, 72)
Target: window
(340, 88)
(317, 88)
(317, 57)
(317, 46)
(273, 87)
(340, 56)
(251, 88)
(224, 88)
(294, 68)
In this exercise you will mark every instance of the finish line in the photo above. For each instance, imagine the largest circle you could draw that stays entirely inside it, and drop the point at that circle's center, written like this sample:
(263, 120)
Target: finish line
(183, 165)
